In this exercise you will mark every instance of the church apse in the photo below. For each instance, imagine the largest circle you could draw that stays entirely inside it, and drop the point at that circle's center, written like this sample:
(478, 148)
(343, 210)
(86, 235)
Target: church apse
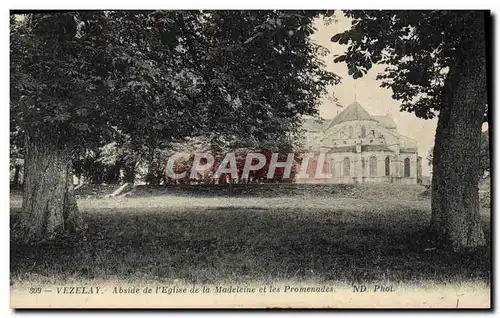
(361, 148)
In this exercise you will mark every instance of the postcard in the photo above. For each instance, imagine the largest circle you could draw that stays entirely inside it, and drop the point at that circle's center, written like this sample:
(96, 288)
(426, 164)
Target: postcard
(250, 159)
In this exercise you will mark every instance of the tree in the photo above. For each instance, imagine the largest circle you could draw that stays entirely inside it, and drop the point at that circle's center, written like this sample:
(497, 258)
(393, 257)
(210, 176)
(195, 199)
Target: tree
(80, 80)
(484, 154)
(436, 64)
(53, 86)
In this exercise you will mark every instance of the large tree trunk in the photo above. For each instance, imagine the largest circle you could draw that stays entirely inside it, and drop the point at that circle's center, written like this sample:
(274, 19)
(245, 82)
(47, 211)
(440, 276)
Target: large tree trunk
(129, 172)
(49, 204)
(112, 173)
(456, 158)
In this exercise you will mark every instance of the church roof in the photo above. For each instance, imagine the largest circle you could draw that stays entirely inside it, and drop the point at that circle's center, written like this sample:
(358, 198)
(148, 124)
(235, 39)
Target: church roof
(408, 150)
(386, 121)
(353, 112)
(343, 149)
(375, 148)
(364, 148)
(313, 124)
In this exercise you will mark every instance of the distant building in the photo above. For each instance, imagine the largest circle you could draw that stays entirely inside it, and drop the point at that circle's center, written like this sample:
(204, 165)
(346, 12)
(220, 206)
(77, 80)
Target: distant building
(361, 148)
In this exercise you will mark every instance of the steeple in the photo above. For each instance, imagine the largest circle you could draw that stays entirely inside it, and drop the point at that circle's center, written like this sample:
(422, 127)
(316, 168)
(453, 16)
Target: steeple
(355, 91)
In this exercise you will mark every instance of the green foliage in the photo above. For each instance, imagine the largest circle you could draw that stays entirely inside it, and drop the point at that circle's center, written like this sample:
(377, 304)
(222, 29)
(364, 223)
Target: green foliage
(146, 78)
(418, 46)
(56, 75)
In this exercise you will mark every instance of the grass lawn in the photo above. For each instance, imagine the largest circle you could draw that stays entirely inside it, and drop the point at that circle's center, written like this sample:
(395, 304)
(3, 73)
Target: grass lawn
(363, 234)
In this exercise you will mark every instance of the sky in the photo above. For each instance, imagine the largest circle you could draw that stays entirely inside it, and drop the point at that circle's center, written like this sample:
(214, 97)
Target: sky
(367, 91)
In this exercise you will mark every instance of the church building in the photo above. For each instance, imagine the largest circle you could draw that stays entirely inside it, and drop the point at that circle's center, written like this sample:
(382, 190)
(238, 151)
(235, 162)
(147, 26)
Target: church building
(361, 148)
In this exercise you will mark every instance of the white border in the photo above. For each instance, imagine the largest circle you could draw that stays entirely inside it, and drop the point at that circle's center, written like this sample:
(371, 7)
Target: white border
(179, 4)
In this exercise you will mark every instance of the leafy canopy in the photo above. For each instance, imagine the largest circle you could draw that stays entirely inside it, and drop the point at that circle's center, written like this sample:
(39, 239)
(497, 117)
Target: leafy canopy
(148, 77)
(419, 47)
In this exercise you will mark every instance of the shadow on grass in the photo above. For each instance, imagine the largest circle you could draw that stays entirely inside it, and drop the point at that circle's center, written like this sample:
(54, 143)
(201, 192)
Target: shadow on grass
(280, 189)
(215, 245)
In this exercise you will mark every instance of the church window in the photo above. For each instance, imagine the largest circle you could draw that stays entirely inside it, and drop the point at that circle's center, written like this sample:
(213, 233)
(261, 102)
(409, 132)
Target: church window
(407, 167)
(347, 167)
(350, 131)
(373, 166)
(363, 132)
(373, 133)
(332, 166)
(387, 166)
